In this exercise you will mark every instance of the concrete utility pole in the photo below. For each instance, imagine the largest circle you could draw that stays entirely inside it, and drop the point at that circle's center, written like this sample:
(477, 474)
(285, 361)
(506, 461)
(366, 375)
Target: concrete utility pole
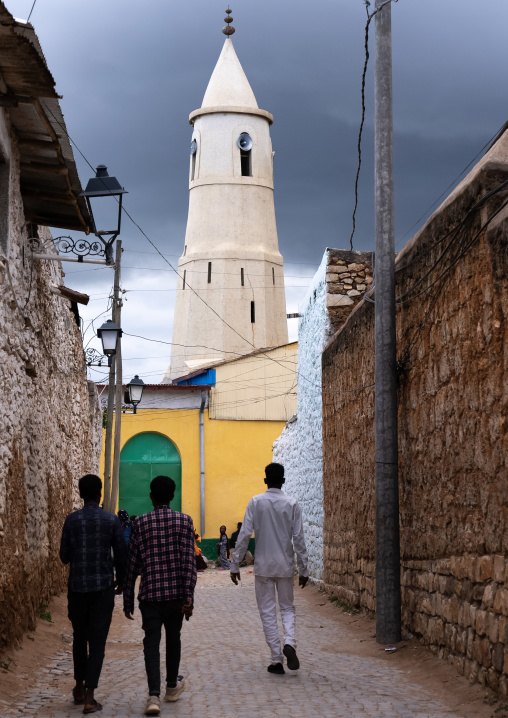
(115, 483)
(388, 628)
(109, 496)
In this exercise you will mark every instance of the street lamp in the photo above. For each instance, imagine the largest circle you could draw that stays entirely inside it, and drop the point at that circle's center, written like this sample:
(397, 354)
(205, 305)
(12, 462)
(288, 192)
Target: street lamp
(104, 186)
(135, 387)
(109, 334)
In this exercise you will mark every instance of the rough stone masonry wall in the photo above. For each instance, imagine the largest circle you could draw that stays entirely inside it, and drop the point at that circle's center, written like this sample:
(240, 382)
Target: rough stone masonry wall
(50, 418)
(337, 287)
(453, 438)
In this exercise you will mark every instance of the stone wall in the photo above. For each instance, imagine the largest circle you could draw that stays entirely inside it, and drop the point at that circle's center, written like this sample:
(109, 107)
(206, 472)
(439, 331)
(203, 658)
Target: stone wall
(337, 287)
(50, 414)
(452, 331)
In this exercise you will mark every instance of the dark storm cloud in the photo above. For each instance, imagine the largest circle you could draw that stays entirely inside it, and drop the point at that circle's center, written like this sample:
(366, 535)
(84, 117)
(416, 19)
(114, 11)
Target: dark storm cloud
(131, 72)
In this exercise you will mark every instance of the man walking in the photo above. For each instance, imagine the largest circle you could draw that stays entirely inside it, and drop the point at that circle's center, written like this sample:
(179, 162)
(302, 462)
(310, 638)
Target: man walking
(161, 549)
(276, 520)
(88, 535)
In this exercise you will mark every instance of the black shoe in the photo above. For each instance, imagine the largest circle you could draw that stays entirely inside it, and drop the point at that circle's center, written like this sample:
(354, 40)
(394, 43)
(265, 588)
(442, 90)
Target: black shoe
(276, 668)
(291, 657)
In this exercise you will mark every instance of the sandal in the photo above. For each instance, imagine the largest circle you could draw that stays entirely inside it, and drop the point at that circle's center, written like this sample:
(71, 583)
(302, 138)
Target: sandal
(92, 708)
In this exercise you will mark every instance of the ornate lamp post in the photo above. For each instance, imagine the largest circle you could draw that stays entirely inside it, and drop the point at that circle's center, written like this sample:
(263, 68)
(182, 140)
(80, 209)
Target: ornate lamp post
(99, 188)
(135, 388)
(109, 334)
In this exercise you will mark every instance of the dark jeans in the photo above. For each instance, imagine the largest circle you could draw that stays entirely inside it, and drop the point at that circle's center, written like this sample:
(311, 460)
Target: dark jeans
(90, 615)
(155, 615)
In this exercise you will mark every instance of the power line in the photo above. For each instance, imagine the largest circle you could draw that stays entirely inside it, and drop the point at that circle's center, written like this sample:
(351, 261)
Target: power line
(31, 11)
(158, 250)
(485, 146)
(370, 16)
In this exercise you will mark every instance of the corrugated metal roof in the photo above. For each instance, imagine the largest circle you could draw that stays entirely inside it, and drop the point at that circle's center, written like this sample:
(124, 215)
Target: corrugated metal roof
(169, 387)
(50, 184)
(260, 386)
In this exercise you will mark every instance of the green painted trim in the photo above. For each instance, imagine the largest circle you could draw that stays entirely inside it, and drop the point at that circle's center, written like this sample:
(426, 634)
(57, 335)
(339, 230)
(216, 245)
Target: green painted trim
(209, 547)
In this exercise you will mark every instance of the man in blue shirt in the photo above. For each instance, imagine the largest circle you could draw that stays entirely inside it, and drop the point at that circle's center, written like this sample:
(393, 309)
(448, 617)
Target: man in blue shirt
(88, 535)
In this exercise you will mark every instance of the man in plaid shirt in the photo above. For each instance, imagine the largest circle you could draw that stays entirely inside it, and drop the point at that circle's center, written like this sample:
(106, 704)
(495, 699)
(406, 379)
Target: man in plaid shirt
(161, 550)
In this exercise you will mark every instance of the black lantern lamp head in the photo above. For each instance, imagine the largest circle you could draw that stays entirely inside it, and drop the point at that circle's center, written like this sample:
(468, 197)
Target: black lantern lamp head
(109, 335)
(102, 185)
(135, 387)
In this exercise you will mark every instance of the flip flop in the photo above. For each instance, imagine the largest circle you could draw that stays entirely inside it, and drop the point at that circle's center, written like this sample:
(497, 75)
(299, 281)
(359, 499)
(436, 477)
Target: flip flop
(92, 708)
(77, 701)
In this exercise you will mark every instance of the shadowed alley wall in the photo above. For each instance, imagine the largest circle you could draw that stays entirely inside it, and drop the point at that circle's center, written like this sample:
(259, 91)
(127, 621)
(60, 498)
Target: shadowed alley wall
(452, 332)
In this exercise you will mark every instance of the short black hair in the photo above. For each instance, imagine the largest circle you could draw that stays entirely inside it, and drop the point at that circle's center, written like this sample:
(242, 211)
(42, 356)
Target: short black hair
(274, 473)
(239, 525)
(90, 486)
(163, 489)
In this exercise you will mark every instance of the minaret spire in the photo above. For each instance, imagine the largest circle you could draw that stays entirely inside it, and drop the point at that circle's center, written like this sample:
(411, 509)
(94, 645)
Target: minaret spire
(228, 29)
(230, 292)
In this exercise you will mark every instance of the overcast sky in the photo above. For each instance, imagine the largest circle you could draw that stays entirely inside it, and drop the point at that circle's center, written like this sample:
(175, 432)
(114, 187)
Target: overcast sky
(131, 73)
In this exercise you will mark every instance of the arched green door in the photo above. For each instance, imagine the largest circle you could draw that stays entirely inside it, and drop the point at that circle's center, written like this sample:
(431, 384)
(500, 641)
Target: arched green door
(144, 457)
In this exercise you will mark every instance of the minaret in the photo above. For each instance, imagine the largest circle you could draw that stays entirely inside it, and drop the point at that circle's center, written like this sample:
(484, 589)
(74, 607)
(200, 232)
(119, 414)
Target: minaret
(231, 268)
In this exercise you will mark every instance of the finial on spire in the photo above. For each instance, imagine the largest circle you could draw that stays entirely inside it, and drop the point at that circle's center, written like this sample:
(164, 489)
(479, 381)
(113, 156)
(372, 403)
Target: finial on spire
(229, 29)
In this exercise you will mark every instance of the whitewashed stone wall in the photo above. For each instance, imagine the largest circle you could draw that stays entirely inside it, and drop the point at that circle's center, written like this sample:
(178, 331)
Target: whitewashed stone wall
(50, 414)
(300, 447)
(336, 288)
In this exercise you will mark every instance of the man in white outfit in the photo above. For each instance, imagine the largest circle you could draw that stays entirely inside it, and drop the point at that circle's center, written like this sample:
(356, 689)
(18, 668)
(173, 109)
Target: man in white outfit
(276, 520)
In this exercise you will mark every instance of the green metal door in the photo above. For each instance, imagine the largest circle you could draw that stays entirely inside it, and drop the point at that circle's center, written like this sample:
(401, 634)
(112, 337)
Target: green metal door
(144, 457)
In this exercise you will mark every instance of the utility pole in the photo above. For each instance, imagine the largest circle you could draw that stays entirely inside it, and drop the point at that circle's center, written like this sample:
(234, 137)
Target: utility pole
(108, 496)
(388, 621)
(119, 377)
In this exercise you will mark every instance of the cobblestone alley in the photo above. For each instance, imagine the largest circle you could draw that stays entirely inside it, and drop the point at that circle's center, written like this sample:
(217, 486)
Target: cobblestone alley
(343, 672)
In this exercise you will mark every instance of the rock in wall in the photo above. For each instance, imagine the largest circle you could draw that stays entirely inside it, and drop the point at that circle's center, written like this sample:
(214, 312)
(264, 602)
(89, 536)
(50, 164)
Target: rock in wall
(50, 417)
(452, 331)
(340, 282)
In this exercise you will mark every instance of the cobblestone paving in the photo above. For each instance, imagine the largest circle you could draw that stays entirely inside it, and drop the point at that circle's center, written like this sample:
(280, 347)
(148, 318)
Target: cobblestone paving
(224, 660)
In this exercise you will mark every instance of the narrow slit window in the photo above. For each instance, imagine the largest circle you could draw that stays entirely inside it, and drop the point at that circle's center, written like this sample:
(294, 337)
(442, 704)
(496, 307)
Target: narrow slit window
(184, 275)
(185, 250)
(252, 312)
(273, 275)
(242, 278)
(245, 145)
(193, 151)
(209, 272)
(246, 163)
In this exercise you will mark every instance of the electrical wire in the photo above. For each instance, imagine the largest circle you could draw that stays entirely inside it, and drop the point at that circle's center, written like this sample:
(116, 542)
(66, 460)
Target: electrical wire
(124, 210)
(31, 11)
(477, 205)
(370, 16)
(485, 146)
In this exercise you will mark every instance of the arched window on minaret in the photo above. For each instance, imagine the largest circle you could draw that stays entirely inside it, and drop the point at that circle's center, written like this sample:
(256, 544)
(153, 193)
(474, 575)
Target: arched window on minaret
(245, 145)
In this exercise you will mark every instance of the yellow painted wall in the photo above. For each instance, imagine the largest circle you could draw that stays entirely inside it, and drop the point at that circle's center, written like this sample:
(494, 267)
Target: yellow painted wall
(236, 453)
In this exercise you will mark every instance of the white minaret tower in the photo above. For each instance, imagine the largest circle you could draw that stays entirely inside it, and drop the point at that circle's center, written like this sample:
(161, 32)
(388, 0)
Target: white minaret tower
(231, 256)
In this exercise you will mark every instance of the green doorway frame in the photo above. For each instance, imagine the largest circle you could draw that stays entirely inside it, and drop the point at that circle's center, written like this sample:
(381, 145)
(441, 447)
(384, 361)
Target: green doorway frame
(145, 456)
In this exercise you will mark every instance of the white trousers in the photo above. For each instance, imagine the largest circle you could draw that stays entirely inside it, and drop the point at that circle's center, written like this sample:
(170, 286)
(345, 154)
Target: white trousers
(267, 605)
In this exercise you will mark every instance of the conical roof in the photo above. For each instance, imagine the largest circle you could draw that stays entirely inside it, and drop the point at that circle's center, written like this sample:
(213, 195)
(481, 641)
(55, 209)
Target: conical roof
(229, 86)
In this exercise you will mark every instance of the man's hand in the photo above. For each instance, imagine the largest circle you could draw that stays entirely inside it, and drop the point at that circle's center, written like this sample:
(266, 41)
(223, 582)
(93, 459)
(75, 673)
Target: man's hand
(118, 588)
(188, 608)
(128, 614)
(235, 577)
(302, 581)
